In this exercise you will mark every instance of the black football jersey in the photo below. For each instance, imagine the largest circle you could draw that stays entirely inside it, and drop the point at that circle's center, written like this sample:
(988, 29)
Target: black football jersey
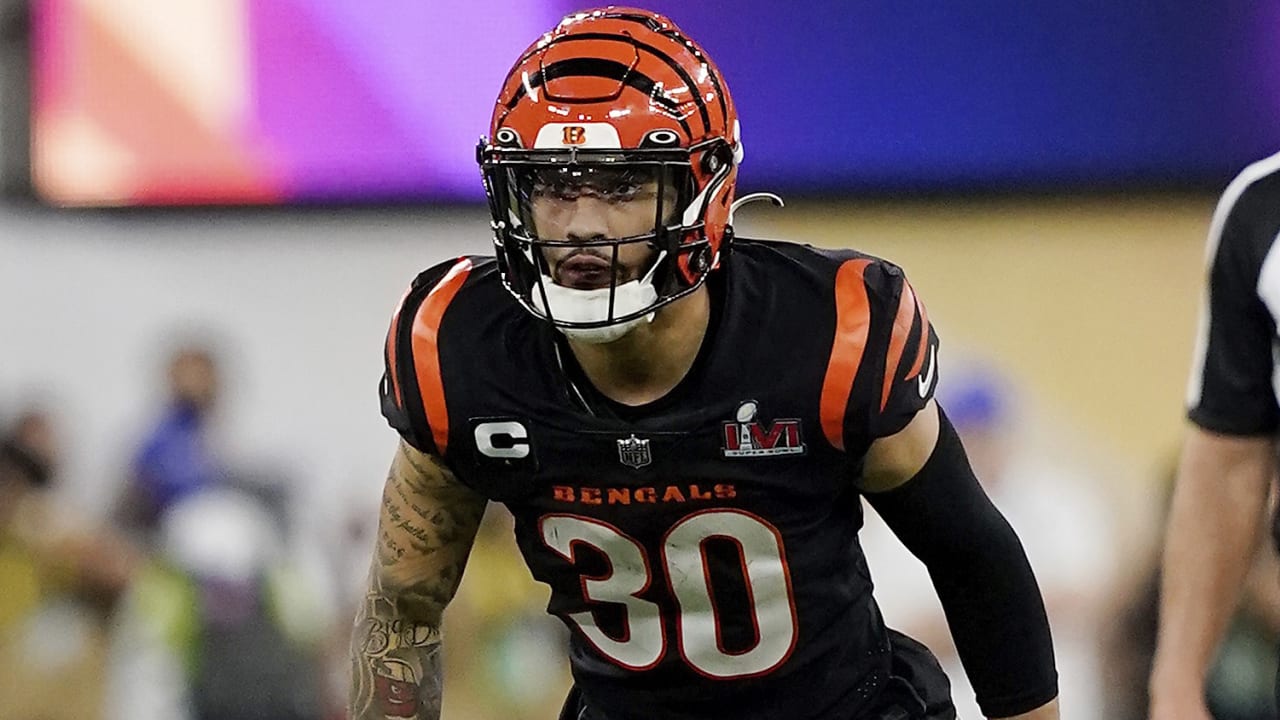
(703, 548)
(1233, 385)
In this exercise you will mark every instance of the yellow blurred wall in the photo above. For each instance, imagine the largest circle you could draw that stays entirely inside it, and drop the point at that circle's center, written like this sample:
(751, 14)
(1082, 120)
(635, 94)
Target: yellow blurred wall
(1089, 301)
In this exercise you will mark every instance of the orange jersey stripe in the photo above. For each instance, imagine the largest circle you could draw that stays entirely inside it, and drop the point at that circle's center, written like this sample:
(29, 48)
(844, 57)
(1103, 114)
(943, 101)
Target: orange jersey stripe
(853, 322)
(392, 365)
(898, 339)
(918, 365)
(426, 351)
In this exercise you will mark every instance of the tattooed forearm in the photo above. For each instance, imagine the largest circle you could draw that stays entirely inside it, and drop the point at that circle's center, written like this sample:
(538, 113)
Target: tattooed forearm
(427, 525)
(420, 535)
(389, 550)
(395, 663)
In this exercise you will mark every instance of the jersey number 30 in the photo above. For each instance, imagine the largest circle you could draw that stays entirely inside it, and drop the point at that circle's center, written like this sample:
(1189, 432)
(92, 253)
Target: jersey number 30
(684, 557)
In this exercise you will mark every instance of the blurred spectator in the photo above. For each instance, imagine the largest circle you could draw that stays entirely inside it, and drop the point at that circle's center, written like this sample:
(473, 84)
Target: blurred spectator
(220, 624)
(175, 459)
(229, 616)
(1063, 518)
(59, 575)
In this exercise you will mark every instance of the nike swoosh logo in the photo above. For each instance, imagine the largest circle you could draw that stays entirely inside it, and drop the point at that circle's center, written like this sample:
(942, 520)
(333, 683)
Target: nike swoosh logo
(925, 381)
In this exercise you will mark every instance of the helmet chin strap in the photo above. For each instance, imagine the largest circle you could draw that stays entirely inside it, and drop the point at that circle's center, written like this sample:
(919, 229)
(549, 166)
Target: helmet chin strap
(578, 306)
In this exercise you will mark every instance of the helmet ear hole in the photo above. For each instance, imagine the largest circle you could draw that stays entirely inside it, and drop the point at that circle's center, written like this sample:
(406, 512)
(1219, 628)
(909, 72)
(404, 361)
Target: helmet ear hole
(700, 260)
(716, 158)
(693, 264)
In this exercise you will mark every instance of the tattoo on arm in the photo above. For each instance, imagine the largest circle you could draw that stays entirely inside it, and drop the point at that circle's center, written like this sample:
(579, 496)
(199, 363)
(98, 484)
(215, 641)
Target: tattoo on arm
(426, 528)
(395, 664)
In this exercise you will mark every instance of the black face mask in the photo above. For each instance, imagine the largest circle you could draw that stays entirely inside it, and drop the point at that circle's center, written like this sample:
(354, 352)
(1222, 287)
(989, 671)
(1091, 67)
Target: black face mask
(515, 177)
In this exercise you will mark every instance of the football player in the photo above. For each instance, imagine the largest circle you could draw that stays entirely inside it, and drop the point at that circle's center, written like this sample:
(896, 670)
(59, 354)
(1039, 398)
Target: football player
(682, 423)
(1229, 456)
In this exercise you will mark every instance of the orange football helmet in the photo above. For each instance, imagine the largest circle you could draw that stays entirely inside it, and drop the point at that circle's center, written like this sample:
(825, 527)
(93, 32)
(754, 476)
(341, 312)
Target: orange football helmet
(609, 91)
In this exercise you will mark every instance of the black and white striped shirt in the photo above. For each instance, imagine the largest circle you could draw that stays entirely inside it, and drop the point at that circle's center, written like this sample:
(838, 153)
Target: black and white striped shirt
(1234, 379)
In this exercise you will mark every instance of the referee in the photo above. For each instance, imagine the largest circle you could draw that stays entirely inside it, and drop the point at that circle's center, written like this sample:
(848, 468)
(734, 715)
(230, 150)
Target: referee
(1229, 458)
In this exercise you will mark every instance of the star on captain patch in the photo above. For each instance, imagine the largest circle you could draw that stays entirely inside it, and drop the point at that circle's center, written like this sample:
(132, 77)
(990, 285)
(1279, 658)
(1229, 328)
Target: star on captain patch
(634, 452)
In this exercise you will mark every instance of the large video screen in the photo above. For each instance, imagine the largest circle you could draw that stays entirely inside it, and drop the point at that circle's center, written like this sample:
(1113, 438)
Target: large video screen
(157, 102)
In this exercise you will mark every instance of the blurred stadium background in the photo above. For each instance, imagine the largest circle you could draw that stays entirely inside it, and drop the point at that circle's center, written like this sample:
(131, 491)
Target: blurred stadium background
(262, 178)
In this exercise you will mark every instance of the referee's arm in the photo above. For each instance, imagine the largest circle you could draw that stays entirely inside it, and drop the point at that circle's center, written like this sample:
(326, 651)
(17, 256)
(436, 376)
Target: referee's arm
(1214, 526)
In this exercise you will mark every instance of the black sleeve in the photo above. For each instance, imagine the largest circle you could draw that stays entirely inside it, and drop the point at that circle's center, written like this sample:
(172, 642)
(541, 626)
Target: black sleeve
(981, 574)
(1230, 389)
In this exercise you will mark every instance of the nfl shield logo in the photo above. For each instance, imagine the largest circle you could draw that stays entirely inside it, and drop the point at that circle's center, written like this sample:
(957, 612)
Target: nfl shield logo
(634, 452)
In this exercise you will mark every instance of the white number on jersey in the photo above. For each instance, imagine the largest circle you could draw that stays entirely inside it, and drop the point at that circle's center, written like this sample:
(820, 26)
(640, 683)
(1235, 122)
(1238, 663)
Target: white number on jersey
(684, 559)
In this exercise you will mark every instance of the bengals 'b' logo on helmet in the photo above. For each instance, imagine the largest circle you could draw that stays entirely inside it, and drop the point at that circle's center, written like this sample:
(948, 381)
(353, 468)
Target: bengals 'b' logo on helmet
(575, 135)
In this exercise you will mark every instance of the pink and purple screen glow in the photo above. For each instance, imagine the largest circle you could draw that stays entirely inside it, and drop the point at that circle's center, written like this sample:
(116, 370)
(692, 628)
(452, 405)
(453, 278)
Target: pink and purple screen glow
(148, 102)
(268, 101)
